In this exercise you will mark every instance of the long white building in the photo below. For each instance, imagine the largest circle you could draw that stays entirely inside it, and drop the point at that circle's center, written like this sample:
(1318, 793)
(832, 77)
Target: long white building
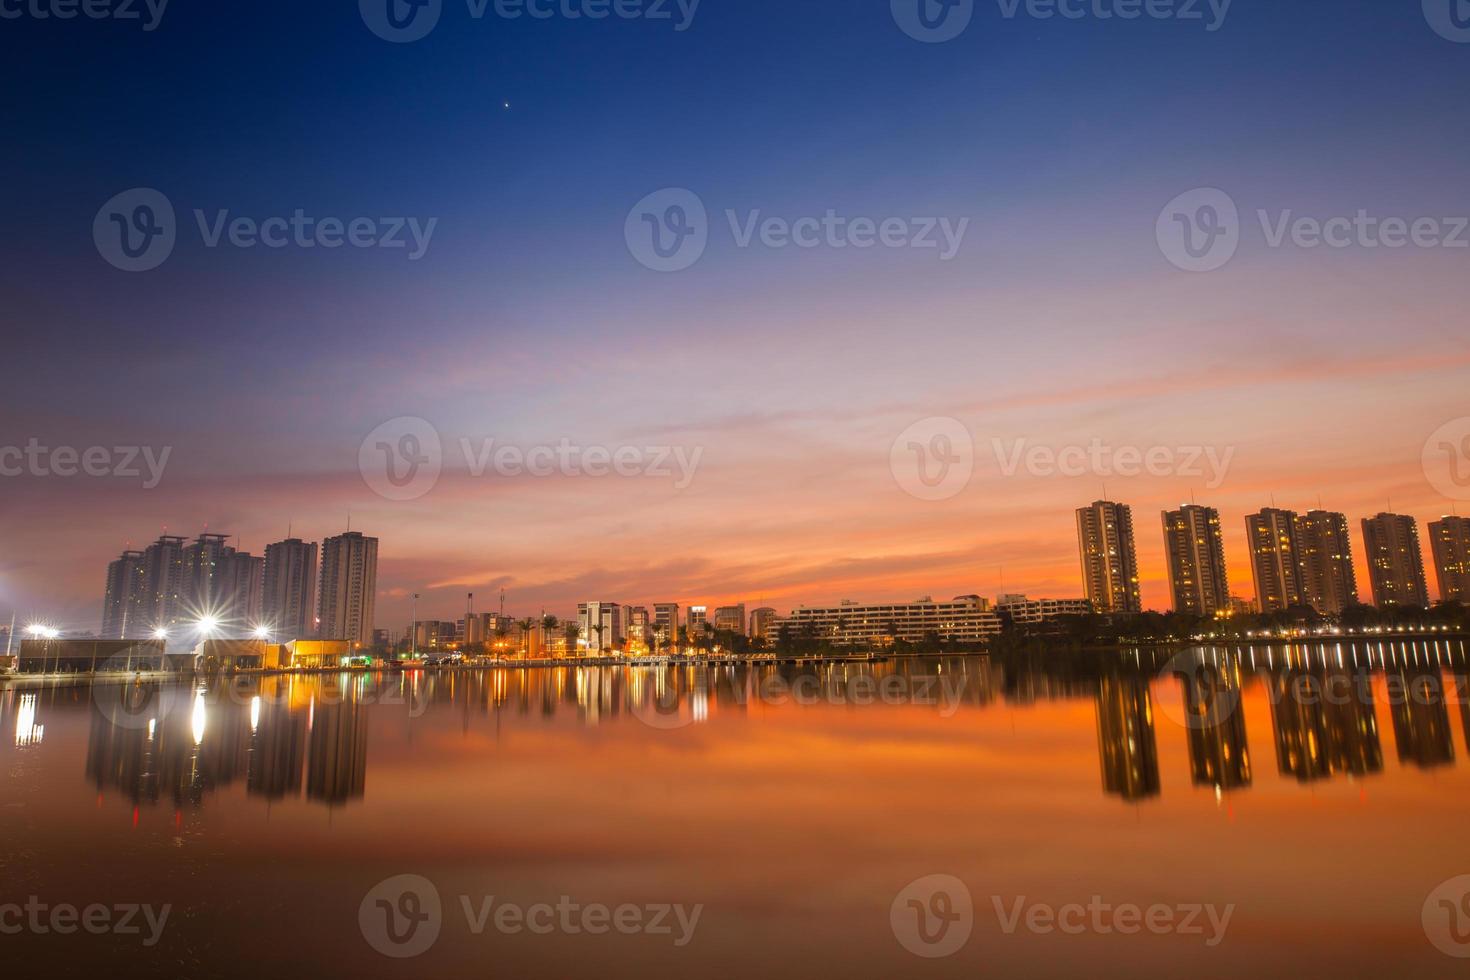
(967, 618)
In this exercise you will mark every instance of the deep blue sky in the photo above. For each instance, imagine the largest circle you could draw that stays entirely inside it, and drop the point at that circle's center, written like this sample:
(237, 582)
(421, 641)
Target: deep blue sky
(1060, 141)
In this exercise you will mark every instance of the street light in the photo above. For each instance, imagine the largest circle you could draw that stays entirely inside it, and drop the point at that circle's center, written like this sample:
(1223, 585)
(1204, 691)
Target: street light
(261, 633)
(45, 633)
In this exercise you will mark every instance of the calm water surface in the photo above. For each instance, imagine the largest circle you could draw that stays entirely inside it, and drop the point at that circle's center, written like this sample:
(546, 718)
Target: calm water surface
(1320, 793)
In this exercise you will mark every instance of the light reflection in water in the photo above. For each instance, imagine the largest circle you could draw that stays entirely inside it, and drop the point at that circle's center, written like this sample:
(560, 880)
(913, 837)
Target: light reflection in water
(1318, 706)
(27, 732)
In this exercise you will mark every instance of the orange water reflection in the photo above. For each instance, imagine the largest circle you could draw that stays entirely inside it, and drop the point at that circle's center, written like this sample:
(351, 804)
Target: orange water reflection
(1316, 789)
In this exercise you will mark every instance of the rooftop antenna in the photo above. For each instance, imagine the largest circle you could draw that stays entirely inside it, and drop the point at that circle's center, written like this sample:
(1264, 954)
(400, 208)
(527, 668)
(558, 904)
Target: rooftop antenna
(502, 603)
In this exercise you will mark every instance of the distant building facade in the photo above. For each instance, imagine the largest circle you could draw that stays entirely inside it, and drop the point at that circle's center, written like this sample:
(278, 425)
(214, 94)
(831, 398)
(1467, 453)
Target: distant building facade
(1023, 609)
(347, 588)
(1329, 582)
(290, 589)
(600, 625)
(762, 623)
(696, 619)
(730, 618)
(666, 621)
(1109, 558)
(1194, 550)
(1449, 541)
(126, 611)
(965, 618)
(1276, 560)
(1395, 560)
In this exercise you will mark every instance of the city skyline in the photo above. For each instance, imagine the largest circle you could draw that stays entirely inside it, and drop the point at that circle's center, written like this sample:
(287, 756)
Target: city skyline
(1292, 560)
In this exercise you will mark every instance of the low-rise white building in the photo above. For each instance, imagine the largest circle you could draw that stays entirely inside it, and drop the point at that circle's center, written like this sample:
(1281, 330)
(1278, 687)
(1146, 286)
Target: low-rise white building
(967, 618)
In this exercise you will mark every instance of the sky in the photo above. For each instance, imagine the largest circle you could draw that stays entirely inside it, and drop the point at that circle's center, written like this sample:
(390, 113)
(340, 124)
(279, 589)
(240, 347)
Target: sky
(1053, 149)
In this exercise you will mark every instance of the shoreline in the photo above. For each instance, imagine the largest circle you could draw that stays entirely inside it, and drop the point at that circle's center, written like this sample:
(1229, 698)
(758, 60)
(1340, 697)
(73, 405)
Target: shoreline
(16, 678)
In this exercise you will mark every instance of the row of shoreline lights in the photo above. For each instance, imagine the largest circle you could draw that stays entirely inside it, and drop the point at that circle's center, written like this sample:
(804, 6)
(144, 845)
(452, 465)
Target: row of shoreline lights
(206, 627)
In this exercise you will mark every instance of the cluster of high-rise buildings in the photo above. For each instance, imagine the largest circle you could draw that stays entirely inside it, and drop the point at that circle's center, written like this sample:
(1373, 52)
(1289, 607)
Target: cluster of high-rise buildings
(1296, 559)
(603, 626)
(302, 590)
(298, 590)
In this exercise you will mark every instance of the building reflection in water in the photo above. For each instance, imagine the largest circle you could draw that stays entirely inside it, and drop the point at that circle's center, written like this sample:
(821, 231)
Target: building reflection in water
(1421, 721)
(1125, 737)
(277, 751)
(336, 768)
(307, 737)
(1219, 754)
(179, 750)
(1324, 723)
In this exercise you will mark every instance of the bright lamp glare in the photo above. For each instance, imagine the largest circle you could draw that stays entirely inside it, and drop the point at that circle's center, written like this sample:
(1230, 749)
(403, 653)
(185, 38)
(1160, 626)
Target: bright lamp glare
(207, 624)
(262, 633)
(160, 634)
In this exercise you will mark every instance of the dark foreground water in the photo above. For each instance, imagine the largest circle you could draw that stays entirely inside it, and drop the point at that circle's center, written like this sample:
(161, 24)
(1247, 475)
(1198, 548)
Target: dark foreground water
(1276, 812)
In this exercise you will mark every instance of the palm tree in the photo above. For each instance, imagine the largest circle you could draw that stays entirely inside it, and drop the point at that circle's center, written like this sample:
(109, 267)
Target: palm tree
(527, 627)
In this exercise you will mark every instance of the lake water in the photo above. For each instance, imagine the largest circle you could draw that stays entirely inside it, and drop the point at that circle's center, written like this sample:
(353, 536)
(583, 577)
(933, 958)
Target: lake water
(1272, 812)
